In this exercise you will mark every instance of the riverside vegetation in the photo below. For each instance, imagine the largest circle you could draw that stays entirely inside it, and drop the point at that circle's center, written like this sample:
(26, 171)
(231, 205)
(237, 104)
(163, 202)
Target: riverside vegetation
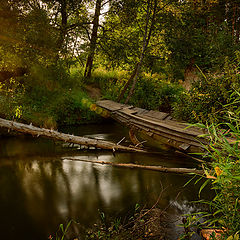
(50, 52)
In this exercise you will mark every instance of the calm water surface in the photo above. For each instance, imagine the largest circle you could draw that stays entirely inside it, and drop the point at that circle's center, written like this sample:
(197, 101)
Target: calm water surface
(41, 187)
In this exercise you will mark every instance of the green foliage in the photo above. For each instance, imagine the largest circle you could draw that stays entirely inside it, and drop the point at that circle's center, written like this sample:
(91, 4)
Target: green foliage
(47, 97)
(154, 93)
(106, 79)
(11, 96)
(206, 99)
(27, 37)
(203, 32)
(199, 32)
(105, 230)
(139, 225)
(61, 232)
(122, 34)
(226, 205)
(109, 81)
(223, 173)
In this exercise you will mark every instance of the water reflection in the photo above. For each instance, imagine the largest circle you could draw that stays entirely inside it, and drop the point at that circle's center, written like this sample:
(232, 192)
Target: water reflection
(39, 191)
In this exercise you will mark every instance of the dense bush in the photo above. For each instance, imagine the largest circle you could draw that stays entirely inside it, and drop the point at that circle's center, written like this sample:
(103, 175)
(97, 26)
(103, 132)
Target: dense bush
(47, 96)
(205, 100)
(154, 93)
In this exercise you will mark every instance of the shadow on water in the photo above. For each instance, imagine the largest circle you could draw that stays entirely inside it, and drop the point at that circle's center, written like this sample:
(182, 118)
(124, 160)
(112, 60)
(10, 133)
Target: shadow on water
(41, 187)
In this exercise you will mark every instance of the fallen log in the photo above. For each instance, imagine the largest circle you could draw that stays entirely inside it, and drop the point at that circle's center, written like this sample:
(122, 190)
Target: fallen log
(146, 167)
(49, 133)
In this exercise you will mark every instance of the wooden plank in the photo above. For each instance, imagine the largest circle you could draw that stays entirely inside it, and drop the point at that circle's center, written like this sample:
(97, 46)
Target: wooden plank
(155, 124)
(111, 105)
(144, 122)
(160, 130)
(115, 115)
(127, 115)
(128, 111)
(168, 118)
(149, 118)
(156, 115)
(168, 135)
(167, 126)
(140, 111)
(185, 126)
(184, 146)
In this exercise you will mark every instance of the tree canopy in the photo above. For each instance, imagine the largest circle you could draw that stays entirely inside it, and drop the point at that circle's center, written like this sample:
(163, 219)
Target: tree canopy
(203, 32)
(44, 40)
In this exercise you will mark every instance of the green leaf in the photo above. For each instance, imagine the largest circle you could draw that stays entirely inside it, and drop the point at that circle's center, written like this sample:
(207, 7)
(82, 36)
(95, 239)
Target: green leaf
(236, 236)
(68, 225)
(203, 186)
(61, 227)
(189, 181)
(236, 177)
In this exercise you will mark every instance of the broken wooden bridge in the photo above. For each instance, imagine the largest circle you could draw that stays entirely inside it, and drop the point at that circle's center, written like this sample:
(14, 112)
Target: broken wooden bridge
(159, 126)
(151, 125)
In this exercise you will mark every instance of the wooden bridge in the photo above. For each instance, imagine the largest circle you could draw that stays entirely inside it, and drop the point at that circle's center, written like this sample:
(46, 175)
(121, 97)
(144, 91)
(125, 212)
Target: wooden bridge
(156, 125)
(150, 125)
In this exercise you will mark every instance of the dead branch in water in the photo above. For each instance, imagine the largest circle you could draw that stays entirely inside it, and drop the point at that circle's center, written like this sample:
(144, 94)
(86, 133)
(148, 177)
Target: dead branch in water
(153, 168)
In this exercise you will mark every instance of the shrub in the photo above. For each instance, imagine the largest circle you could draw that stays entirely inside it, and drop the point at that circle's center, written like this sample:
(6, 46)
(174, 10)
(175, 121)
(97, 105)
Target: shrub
(49, 96)
(205, 101)
(11, 94)
(223, 173)
(154, 93)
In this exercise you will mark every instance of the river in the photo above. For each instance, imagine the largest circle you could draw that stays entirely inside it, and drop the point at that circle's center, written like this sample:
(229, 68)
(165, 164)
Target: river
(41, 187)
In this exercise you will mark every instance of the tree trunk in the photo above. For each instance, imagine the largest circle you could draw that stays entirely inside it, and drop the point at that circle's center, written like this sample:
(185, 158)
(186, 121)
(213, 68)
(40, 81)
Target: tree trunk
(233, 21)
(146, 40)
(152, 168)
(63, 27)
(237, 24)
(120, 97)
(35, 131)
(134, 80)
(93, 40)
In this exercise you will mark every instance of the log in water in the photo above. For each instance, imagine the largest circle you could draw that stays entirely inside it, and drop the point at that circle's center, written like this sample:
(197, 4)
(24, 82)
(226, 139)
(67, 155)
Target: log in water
(49, 133)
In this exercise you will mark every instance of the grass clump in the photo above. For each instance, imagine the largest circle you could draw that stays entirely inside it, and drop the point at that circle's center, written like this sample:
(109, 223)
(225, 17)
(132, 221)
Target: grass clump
(223, 175)
(142, 224)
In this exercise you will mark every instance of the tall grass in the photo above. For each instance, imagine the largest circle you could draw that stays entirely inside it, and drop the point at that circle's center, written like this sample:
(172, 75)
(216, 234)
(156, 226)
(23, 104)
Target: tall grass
(223, 175)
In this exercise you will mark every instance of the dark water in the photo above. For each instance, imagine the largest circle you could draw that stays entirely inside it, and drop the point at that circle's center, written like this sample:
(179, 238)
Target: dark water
(41, 187)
